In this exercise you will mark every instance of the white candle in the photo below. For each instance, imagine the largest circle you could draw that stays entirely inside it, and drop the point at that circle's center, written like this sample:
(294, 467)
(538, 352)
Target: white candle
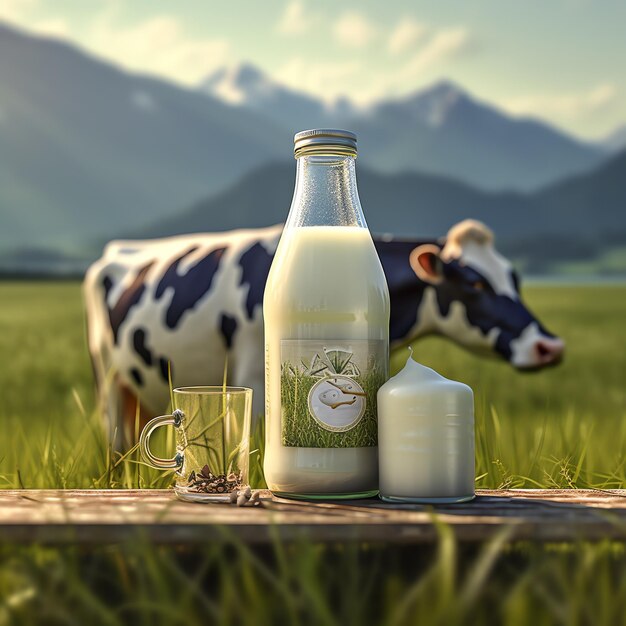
(425, 437)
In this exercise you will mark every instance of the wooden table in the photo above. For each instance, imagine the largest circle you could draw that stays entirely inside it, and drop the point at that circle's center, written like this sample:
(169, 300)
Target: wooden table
(108, 516)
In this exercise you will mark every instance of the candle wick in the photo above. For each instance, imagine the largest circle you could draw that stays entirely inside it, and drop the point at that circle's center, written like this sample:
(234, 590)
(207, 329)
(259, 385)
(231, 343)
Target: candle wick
(410, 352)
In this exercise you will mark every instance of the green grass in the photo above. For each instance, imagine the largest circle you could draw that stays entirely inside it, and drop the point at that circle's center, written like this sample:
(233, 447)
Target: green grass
(561, 427)
(564, 426)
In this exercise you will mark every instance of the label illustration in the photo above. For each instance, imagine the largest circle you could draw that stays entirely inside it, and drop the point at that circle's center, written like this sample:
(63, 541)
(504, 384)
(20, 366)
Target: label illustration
(328, 392)
(337, 403)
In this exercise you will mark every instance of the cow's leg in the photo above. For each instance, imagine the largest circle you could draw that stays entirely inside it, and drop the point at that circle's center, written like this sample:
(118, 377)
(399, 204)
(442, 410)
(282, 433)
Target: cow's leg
(133, 415)
(248, 371)
(100, 343)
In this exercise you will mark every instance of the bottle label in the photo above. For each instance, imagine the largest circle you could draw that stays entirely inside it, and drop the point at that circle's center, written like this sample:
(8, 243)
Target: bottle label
(328, 392)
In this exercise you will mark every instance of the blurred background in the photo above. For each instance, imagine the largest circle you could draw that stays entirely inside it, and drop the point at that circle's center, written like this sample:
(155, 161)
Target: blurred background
(144, 119)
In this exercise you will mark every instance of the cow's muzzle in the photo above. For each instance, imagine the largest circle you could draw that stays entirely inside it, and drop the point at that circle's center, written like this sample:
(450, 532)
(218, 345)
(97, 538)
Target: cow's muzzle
(549, 351)
(542, 353)
(534, 349)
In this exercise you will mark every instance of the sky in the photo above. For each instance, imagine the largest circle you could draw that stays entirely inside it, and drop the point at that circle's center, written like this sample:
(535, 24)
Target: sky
(561, 60)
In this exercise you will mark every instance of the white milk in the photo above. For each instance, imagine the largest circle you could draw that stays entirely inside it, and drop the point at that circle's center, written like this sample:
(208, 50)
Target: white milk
(426, 437)
(326, 289)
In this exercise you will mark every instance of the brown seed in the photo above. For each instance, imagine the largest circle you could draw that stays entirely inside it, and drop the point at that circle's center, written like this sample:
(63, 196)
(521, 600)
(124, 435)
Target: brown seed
(255, 498)
(241, 500)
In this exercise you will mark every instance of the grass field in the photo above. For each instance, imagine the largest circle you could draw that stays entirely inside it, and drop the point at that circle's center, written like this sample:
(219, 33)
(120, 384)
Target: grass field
(561, 427)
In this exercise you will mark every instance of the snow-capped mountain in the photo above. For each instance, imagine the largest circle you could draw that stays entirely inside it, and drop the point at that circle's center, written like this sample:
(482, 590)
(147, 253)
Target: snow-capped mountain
(431, 106)
(441, 129)
(246, 86)
(444, 130)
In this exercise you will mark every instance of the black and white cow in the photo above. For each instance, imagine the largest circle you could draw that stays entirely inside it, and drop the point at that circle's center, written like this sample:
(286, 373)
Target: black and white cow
(195, 302)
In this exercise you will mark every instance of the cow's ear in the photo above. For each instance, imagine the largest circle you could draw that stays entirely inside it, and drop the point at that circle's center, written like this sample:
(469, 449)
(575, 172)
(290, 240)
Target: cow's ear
(426, 263)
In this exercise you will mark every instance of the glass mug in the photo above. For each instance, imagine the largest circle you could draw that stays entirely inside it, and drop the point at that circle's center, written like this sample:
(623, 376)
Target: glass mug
(212, 442)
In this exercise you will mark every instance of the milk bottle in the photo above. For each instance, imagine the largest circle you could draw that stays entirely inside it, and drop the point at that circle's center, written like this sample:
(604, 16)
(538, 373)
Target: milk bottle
(326, 311)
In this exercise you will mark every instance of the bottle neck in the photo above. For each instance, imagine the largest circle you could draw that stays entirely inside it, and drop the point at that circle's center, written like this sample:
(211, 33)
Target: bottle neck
(326, 193)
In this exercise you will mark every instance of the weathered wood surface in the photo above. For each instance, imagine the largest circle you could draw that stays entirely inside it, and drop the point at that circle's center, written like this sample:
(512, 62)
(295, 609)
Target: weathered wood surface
(105, 516)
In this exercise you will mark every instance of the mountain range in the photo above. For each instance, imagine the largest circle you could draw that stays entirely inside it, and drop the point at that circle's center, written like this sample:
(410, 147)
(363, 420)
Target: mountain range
(86, 147)
(440, 130)
(571, 219)
(90, 152)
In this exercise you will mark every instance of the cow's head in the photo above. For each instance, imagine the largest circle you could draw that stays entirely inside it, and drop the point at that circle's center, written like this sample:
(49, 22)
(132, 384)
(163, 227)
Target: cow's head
(478, 302)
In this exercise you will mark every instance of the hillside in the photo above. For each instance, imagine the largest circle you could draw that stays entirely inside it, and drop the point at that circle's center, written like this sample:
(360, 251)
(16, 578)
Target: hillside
(413, 204)
(85, 147)
(590, 205)
(579, 218)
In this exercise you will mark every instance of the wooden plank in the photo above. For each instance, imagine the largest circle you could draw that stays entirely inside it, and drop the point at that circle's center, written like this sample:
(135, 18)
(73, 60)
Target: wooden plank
(107, 516)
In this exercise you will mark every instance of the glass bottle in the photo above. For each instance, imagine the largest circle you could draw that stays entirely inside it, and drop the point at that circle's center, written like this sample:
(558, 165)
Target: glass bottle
(326, 312)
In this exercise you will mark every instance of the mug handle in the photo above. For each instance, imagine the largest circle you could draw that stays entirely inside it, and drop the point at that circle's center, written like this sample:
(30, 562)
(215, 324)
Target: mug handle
(175, 420)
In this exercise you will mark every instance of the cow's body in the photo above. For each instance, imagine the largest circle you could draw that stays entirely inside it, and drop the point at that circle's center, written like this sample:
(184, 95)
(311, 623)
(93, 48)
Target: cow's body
(195, 302)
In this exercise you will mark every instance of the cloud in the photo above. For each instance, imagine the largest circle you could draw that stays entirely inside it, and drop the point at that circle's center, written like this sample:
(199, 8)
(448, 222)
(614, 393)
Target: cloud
(442, 46)
(326, 79)
(564, 107)
(161, 44)
(158, 45)
(16, 10)
(354, 30)
(438, 48)
(22, 12)
(406, 34)
(56, 27)
(295, 20)
(330, 80)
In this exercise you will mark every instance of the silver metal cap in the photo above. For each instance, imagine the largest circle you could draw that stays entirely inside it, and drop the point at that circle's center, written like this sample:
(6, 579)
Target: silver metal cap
(324, 141)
